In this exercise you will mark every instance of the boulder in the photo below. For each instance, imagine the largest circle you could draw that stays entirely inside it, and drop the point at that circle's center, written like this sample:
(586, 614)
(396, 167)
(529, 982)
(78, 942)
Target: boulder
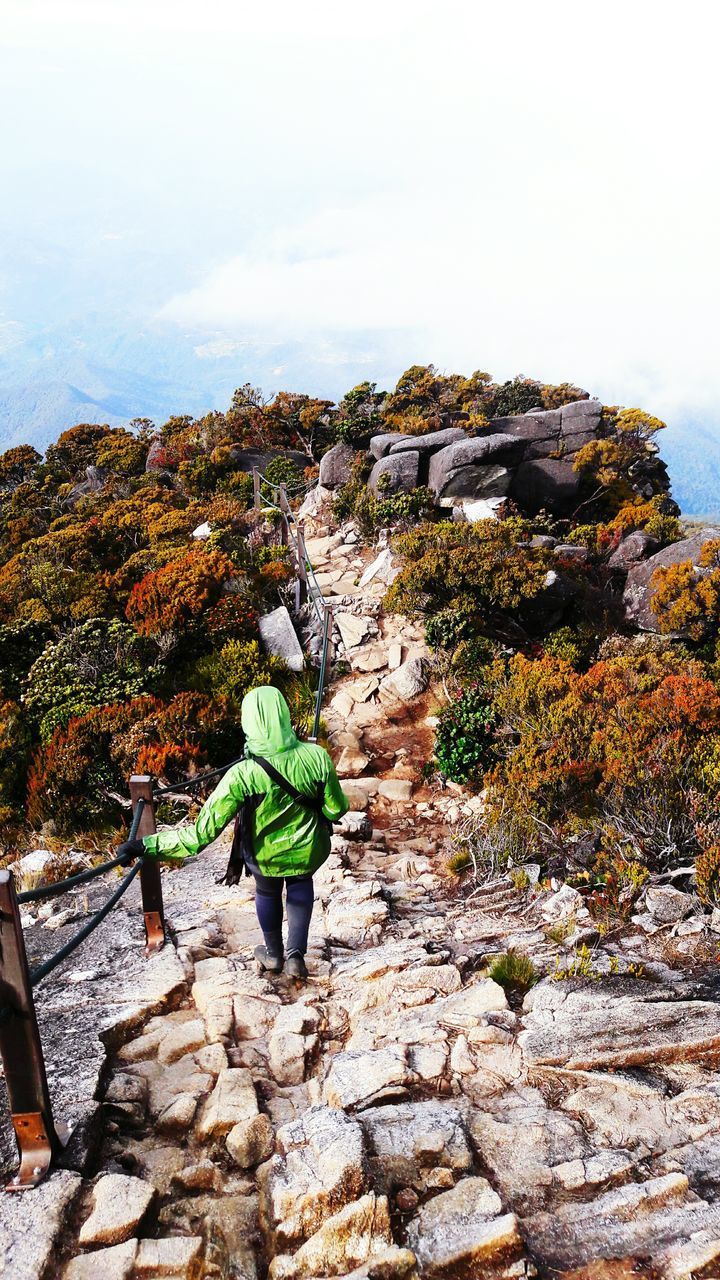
(119, 1205)
(430, 443)
(33, 1223)
(667, 905)
(475, 468)
(408, 681)
(114, 1263)
(320, 1167)
(356, 1078)
(157, 459)
(411, 1137)
(246, 459)
(642, 1219)
(353, 1236)
(231, 1102)
(585, 1030)
(250, 1141)
(353, 629)
(548, 484)
(355, 825)
(634, 548)
(459, 1232)
(279, 638)
(639, 591)
(314, 503)
(577, 412)
(401, 469)
(336, 466)
(380, 445)
(482, 509)
(176, 1258)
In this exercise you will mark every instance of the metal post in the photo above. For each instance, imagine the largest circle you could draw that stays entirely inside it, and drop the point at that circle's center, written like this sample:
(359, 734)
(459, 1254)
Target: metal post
(319, 696)
(284, 507)
(256, 488)
(21, 1050)
(150, 881)
(301, 588)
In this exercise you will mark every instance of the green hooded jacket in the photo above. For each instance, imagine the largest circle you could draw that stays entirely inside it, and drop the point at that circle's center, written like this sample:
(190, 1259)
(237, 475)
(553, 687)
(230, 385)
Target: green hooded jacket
(288, 839)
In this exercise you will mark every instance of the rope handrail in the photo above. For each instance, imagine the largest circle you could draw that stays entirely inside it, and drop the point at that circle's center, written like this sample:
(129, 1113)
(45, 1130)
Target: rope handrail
(57, 958)
(196, 781)
(62, 886)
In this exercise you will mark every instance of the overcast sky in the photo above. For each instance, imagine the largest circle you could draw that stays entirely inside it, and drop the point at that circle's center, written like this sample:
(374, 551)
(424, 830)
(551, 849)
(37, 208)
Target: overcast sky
(525, 187)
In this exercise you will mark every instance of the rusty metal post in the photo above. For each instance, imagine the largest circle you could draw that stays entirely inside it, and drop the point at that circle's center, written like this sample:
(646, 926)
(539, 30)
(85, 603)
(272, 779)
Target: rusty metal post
(301, 587)
(283, 504)
(21, 1050)
(256, 488)
(150, 881)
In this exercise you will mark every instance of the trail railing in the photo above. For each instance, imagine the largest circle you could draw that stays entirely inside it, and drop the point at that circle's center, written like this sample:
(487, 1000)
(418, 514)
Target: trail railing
(308, 590)
(39, 1137)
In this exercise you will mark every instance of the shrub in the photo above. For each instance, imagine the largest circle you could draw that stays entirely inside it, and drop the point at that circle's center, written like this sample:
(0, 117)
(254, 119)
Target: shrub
(482, 568)
(284, 471)
(463, 741)
(459, 862)
(93, 665)
(13, 754)
(626, 741)
(178, 597)
(514, 972)
(239, 667)
(687, 599)
(707, 874)
(76, 777)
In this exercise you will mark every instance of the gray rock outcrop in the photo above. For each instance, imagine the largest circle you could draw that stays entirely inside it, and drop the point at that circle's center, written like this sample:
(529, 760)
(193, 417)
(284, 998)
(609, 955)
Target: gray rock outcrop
(639, 591)
(478, 468)
(528, 457)
(401, 469)
(336, 466)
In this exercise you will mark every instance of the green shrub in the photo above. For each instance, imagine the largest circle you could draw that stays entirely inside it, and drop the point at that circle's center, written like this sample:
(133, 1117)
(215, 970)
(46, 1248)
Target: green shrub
(96, 664)
(463, 742)
(239, 667)
(514, 972)
(459, 862)
(284, 471)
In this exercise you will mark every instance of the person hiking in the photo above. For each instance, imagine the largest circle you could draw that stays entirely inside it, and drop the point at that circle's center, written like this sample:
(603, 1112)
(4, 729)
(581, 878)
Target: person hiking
(287, 795)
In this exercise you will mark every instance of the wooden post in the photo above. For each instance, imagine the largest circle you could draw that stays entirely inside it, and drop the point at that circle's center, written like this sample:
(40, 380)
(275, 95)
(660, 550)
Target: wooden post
(150, 881)
(21, 1050)
(256, 488)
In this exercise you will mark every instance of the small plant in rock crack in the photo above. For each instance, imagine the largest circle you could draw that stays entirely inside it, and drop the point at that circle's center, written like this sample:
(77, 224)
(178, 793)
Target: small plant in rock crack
(459, 862)
(560, 932)
(514, 972)
(520, 879)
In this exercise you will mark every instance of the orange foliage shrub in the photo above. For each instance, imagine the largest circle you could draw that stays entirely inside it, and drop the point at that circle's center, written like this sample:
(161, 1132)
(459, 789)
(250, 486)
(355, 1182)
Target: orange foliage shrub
(686, 599)
(177, 596)
(75, 778)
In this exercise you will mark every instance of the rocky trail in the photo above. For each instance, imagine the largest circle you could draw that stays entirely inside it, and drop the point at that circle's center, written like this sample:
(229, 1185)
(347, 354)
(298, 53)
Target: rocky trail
(401, 1115)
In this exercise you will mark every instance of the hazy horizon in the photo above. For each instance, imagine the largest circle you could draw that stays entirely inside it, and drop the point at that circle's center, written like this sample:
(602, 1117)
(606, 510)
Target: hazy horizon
(199, 195)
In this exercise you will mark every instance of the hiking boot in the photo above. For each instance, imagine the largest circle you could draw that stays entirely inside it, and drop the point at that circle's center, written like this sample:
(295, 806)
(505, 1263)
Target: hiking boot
(296, 967)
(268, 961)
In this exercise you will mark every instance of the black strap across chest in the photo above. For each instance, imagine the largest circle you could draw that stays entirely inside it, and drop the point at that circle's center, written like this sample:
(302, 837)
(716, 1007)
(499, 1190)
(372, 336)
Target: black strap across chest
(312, 803)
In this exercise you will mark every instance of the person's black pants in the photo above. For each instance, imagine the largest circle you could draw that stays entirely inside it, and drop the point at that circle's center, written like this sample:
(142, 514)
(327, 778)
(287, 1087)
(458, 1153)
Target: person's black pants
(269, 907)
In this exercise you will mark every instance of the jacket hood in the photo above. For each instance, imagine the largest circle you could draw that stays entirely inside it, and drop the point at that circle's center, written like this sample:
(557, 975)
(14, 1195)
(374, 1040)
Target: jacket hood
(265, 719)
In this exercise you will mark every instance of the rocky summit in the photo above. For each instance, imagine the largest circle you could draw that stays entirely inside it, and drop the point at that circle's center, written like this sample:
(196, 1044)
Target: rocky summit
(406, 1114)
